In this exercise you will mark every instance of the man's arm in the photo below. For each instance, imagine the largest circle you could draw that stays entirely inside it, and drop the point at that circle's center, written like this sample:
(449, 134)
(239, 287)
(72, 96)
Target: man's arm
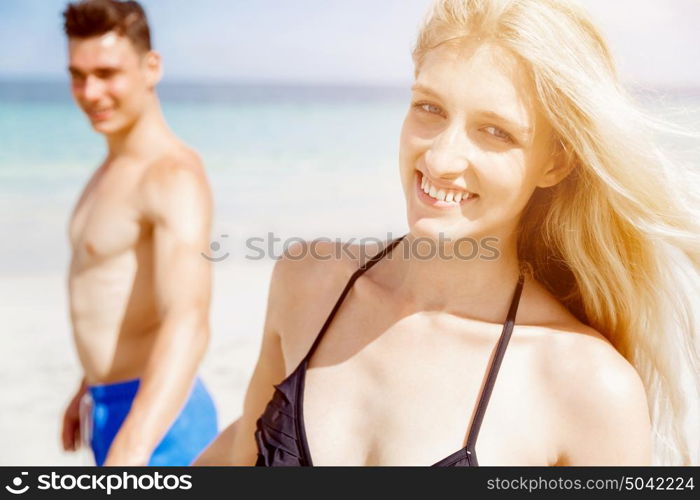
(178, 201)
(236, 444)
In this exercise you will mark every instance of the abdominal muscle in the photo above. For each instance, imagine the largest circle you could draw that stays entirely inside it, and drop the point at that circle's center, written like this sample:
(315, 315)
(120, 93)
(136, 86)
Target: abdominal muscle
(114, 316)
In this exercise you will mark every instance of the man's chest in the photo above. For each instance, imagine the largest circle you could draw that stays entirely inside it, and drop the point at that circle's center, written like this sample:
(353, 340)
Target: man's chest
(107, 220)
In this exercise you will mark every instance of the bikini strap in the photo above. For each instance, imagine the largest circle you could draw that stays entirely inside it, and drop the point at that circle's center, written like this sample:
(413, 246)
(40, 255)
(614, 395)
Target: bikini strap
(493, 368)
(359, 272)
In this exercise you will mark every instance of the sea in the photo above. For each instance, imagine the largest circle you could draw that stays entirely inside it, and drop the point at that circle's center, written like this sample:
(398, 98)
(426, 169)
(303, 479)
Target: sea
(293, 161)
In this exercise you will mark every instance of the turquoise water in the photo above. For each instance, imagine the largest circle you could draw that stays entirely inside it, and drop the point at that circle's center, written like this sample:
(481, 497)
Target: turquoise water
(274, 155)
(269, 131)
(303, 161)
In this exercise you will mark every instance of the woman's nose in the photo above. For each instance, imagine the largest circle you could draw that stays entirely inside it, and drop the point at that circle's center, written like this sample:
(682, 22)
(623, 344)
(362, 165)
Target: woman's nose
(448, 155)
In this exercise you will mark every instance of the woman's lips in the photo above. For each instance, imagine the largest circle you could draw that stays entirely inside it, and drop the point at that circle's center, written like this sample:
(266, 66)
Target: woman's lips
(433, 202)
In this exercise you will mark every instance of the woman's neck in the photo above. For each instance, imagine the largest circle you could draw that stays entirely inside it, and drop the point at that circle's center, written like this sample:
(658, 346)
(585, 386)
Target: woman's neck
(449, 281)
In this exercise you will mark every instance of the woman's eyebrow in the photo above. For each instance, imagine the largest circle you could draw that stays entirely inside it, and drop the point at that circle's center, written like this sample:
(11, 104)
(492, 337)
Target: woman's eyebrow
(424, 90)
(517, 128)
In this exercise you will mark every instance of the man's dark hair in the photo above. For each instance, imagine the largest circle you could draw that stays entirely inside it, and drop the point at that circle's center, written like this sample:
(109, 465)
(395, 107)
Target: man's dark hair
(88, 18)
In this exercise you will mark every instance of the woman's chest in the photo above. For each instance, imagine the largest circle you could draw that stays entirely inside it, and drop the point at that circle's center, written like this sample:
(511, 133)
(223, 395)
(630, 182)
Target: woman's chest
(405, 392)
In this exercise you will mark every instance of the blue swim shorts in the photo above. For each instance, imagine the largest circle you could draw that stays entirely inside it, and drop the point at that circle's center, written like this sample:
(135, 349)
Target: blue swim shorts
(193, 429)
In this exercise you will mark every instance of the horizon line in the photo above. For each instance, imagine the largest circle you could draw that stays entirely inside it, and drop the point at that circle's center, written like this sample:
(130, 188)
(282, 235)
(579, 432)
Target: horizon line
(682, 88)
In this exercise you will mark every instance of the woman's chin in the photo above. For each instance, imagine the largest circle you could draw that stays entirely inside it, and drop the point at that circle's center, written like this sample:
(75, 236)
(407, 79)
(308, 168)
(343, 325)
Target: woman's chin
(439, 230)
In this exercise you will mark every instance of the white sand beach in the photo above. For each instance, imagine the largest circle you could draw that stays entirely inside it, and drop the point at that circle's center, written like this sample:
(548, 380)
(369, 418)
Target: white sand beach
(40, 368)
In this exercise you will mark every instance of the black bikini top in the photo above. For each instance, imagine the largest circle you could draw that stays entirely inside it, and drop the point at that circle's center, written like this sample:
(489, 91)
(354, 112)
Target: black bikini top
(280, 433)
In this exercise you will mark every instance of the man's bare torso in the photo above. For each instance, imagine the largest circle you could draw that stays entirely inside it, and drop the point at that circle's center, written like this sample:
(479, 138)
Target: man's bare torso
(112, 300)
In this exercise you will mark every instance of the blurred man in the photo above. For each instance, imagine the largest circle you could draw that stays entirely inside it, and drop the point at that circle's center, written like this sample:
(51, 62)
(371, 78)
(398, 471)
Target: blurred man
(139, 288)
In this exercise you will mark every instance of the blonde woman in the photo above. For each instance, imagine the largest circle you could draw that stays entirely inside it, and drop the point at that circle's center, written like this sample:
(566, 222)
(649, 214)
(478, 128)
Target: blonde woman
(574, 343)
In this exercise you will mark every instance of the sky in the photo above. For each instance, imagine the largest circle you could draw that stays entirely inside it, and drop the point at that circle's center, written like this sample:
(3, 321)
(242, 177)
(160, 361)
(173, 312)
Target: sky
(655, 42)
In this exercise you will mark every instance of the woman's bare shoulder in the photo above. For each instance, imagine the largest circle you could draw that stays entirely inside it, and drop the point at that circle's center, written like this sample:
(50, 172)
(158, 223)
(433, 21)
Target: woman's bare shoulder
(312, 269)
(596, 394)
(572, 351)
(306, 283)
(564, 337)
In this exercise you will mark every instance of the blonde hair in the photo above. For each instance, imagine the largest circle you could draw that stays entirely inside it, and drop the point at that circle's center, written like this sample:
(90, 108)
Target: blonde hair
(618, 240)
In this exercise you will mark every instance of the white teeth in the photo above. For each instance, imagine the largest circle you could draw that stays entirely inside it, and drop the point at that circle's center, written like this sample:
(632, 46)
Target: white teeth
(442, 194)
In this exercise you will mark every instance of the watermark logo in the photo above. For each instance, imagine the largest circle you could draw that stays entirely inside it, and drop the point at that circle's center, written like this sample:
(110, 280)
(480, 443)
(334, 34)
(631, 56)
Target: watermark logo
(16, 488)
(215, 246)
(95, 480)
(271, 246)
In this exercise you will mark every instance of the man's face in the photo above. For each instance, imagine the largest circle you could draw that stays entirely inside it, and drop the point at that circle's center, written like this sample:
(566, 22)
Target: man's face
(110, 80)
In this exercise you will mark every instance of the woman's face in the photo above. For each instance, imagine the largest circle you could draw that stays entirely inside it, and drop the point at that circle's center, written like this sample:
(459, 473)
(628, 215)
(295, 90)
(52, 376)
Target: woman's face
(474, 141)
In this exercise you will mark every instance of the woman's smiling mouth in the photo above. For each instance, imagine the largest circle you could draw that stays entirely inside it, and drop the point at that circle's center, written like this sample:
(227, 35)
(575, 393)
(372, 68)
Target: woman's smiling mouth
(442, 197)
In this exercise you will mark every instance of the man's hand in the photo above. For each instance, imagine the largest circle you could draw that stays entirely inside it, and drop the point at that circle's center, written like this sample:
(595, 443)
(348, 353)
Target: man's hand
(70, 432)
(121, 458)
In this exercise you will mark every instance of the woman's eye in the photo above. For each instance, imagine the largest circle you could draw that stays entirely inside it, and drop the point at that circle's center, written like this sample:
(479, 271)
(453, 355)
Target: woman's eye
(499, 134)
(429, 108)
